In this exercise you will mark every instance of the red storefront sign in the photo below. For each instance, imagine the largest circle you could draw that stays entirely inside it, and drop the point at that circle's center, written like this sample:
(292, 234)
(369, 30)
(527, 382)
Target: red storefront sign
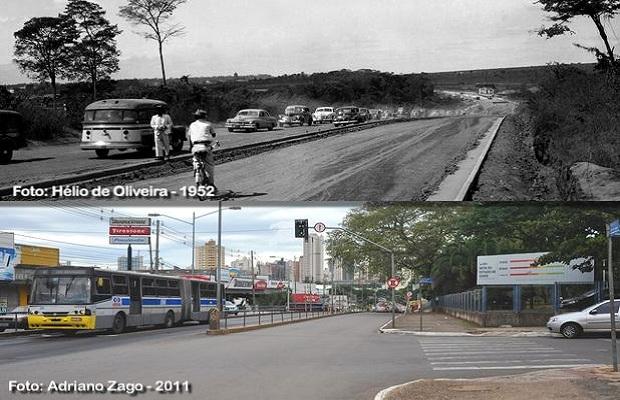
(260, 285)
(130, 230)
(305, 298)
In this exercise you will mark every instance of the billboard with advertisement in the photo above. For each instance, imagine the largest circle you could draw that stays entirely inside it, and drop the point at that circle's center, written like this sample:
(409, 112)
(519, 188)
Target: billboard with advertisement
(7, 256)
(520, 269)
(305, 298)
(37, 255)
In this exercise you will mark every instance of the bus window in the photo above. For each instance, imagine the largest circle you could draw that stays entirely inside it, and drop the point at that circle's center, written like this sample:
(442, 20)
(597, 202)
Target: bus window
(119, 285)
(147, 287)
(102, 285)
(208, 290)
(174, 288)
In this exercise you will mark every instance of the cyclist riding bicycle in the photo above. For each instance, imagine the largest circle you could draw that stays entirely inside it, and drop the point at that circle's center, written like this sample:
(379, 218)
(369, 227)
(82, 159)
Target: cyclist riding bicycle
(201, 135)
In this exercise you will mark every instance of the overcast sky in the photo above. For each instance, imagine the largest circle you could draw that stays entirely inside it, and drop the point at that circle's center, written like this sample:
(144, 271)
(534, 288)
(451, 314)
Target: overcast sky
(81, 232)
(282, 36)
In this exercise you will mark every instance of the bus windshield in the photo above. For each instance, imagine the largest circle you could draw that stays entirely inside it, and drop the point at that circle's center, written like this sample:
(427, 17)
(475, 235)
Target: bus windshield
(114, 116)
(61, 290)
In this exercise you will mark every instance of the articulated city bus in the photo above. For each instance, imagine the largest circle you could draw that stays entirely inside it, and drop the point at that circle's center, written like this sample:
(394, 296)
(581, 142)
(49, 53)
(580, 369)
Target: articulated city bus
(71, 299)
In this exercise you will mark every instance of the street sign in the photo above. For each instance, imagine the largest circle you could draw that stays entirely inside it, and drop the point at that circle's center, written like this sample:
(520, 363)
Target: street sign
(320, 227)
(614, 228)
(116, 221)
(130, 239)
(130, 230)
(426, 281)
(393, 282)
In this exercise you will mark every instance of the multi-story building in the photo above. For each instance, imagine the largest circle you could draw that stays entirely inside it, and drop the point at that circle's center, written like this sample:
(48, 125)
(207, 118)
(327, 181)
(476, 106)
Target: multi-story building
(206, 256)
(137, 263)
(312, 267)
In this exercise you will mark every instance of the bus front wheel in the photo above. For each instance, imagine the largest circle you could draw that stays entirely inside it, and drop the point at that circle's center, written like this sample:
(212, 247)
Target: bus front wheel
(119, 324)
(169, 321)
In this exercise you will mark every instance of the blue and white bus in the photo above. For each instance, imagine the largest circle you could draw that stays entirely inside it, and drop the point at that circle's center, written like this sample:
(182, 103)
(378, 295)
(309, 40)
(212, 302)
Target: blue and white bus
(72, 298)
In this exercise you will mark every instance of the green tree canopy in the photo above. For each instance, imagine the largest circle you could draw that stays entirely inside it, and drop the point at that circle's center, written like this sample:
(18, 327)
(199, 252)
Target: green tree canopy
(95, 54)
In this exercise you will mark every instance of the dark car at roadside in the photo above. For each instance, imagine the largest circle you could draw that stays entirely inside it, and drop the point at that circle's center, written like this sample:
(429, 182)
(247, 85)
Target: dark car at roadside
(347, 116)
(11, 134)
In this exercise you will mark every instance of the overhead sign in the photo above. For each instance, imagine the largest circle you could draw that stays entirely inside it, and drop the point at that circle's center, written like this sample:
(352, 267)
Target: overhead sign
(320, 227)
(393, 282)
(130, 239)
(426, 281)
(614, 228)
(116, 221)
(520, 269)
(130, 230)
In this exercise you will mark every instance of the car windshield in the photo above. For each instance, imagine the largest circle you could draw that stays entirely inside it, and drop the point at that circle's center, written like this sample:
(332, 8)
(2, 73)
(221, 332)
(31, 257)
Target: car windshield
(125, 116)
(346, 110)
(293, 110)
(247, 113)
(61, 290)
(324, 110)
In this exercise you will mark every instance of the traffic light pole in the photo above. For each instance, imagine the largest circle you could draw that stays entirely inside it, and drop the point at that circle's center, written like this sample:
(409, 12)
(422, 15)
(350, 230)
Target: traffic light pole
(391, 264)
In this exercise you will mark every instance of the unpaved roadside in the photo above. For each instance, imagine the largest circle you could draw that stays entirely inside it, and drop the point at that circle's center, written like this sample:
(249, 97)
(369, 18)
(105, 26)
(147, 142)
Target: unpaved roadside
(511, 171)
(598, 383)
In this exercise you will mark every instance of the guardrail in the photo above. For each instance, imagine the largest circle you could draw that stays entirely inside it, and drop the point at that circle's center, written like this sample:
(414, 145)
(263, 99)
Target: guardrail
(274, 316)
(14, 321)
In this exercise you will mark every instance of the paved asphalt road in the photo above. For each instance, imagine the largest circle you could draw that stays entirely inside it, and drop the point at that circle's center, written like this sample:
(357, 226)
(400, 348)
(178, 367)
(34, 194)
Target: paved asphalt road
(399, 162)
(334, 358)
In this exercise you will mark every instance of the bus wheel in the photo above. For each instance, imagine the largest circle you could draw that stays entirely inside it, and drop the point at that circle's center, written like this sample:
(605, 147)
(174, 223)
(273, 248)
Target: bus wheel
(169, 321)
(119, 324)
(102, 153)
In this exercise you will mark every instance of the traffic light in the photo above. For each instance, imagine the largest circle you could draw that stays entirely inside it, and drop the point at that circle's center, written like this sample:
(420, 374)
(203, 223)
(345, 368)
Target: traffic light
(301, 228)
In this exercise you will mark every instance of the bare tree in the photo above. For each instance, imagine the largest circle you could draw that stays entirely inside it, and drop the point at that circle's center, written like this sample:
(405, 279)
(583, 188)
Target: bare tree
(154, 16)
(599, 11)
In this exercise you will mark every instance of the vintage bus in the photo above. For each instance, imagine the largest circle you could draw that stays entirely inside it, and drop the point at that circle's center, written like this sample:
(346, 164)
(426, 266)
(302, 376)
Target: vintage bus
(75, 298)
(123, 124)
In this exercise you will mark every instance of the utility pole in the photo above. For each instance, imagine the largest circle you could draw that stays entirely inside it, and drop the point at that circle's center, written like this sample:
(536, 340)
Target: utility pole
(157, 245)
(612, 304)
(129, 256)
(253, 277)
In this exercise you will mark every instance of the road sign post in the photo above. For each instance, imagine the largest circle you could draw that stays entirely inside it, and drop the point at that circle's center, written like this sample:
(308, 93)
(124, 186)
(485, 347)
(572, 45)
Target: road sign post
(613, 230)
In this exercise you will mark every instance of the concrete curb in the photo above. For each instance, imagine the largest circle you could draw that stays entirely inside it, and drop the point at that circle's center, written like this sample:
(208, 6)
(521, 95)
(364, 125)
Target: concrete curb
(468, 334)
(240, 329)
(21, 333)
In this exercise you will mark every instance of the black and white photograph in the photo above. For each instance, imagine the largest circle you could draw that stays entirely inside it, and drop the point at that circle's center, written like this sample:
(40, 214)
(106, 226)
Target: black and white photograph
(342, 100)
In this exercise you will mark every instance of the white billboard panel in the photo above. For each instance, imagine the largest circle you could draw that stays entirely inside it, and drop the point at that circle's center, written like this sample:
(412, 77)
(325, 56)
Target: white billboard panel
(130, 239)
(120, 221)
(519, 269)
(7, 256)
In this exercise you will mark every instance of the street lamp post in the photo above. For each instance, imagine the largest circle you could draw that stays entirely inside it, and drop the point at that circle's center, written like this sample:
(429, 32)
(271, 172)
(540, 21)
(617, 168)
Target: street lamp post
(193, 225)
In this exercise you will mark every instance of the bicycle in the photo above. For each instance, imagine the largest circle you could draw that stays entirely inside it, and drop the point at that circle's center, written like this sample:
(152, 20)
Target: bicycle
(200, 150)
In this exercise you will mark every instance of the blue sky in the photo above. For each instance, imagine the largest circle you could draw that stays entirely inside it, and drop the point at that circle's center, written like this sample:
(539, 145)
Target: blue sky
(281, 36)
(81, 230)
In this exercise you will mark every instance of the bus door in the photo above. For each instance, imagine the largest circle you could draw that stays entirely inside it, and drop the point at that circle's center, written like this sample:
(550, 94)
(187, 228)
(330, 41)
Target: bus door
(195, 296)
(135, 296)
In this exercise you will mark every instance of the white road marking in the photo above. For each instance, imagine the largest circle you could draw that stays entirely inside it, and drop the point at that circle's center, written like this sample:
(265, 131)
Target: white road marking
(513, 367)
(541, 354)
(510, 361)
(468, 353)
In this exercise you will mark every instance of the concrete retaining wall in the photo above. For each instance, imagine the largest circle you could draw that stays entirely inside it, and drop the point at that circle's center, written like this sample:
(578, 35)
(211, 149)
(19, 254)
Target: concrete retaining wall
(492, 319)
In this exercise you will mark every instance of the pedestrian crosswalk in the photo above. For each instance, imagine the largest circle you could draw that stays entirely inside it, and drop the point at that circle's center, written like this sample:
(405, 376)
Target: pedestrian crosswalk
(465, 353)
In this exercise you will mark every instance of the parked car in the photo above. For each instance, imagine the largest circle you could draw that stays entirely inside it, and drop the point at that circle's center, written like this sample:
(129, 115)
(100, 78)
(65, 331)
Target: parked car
(348, 115)
(323, 115)
(252, 120)
(19, 315)
(592, 319)
(375, 113)
(231, 308)
(296, 115)
(11, 134)
(365, 114)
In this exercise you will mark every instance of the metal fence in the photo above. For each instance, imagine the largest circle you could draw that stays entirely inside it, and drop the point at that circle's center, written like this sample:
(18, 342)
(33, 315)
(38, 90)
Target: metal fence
(272, 315)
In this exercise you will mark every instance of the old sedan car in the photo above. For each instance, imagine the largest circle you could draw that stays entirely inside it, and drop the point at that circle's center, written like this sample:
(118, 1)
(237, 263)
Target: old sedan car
(11, 134)
(348, 115)
(323, 115)
(592, 319)
(252, 120)
(365, 113)
(296, 115)
(375, 113)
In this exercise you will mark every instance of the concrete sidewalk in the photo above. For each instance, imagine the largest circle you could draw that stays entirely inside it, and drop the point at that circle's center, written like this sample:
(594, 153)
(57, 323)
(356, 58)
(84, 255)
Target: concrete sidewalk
(438, 324)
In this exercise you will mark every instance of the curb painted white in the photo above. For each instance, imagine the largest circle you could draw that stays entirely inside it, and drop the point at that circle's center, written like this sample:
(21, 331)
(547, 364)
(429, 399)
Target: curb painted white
(446, 192)
(466, 334)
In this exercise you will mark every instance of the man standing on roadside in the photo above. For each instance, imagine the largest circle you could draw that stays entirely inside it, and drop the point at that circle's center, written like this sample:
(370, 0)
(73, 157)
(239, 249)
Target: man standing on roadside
(162, 129)
(202, 135)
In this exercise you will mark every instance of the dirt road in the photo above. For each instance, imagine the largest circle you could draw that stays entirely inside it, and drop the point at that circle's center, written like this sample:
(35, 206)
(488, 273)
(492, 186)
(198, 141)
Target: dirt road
(397, 162)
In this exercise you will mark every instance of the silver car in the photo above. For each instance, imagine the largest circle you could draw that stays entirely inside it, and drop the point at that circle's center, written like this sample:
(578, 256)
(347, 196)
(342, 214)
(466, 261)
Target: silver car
(595, 318)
